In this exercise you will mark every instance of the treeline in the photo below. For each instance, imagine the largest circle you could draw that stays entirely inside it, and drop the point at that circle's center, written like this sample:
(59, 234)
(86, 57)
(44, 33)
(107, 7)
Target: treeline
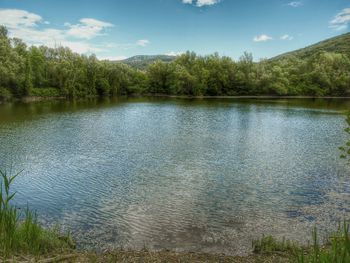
(319, 75)
(43, 71)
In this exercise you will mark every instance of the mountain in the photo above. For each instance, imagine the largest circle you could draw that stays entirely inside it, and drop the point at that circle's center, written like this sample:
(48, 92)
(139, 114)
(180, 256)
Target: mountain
(143, 61)
(338, 44)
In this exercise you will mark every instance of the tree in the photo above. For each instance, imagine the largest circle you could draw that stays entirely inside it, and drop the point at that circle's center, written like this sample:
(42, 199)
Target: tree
(43, 71)
(3, 32)
(28, 84)
(159, 76)
(38, 65)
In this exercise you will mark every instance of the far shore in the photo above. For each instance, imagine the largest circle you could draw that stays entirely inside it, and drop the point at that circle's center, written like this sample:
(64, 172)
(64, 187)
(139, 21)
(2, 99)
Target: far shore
(30, 99)
(242, 97)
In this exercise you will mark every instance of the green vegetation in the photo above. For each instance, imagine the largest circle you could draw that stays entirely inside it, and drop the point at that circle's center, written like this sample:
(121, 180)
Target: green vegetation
(319, 70)
(142, 62)
(336, 250)
(270, 245)
(45, 92)
(21, 233)
(43, 71)
(319, 75)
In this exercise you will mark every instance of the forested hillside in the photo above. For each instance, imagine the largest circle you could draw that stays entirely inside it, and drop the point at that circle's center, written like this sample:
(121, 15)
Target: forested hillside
(319, 70)
(339, 44)
(142, 62)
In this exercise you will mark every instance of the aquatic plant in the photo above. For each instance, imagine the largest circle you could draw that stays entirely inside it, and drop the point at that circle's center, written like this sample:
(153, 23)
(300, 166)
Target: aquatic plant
(271, 245)
(335, 250)
(21, 233)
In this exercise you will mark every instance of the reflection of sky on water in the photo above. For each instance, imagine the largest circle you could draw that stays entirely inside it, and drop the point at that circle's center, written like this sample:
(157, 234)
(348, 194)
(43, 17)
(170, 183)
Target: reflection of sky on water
(188, 175)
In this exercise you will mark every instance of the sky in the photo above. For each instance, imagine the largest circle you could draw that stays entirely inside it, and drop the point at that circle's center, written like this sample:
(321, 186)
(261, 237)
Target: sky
(117, 29)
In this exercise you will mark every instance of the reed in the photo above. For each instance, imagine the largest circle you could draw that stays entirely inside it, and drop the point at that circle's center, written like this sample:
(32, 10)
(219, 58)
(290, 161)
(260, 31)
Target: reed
(20, 232)
(271, 245)
(335, 250)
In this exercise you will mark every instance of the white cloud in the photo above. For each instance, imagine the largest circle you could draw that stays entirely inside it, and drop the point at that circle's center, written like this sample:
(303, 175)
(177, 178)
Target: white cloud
(341, 20)
(87, 28)
(81, 47)
(201, 3)
(34, 30)
(286, 37)
(142, 42)
(25, 25)
(33, 36)
(174, 54)
(14, 18)
(53, 38)
(206, 2)
(295, 4)
(262, 38)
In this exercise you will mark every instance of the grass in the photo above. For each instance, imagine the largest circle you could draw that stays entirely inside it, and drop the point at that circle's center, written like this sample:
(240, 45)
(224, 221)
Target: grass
(335, 250)
(20, 233)
(270, 245)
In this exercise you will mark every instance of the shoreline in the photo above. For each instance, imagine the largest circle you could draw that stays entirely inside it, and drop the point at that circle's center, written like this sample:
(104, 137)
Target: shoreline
(146, 256)
(30, 99)
(241, 97)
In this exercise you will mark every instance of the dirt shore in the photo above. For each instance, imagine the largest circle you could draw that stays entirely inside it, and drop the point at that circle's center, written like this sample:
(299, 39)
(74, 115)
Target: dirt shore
(150, 257)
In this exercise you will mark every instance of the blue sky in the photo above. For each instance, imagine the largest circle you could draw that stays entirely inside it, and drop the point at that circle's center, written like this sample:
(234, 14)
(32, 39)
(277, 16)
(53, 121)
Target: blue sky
(123, 28)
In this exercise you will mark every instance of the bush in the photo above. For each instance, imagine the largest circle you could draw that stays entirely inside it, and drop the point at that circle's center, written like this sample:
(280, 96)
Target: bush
(45, 92)
(5, 94)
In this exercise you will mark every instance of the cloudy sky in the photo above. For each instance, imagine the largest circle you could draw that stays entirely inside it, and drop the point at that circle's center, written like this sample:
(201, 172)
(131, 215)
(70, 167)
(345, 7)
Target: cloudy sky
(115, 29)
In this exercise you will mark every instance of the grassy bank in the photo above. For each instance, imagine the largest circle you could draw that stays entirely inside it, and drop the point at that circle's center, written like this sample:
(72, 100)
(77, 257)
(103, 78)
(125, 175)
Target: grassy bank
(335, 250)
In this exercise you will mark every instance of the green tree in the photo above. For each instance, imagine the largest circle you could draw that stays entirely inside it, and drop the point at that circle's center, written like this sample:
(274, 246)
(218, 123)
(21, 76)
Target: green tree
(28, 84)
(159, 76)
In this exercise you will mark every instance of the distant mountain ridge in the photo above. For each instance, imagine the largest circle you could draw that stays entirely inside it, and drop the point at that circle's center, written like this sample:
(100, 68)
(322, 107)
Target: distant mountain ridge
(338, 44)
(143, 61)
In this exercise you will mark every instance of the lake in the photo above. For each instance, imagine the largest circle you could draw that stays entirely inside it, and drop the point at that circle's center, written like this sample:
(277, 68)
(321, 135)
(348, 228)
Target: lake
(204, 175)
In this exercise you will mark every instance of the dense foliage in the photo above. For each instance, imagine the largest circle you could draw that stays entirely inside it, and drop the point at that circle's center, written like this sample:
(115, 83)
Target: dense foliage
(142, 62)
(319, 75)
(43, 71)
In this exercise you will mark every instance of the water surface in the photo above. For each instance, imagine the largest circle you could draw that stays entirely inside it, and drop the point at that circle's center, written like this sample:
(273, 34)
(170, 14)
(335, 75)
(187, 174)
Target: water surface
(188, 175)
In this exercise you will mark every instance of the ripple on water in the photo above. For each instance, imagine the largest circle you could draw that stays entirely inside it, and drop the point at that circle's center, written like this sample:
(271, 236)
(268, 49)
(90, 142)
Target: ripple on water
(205, 176)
